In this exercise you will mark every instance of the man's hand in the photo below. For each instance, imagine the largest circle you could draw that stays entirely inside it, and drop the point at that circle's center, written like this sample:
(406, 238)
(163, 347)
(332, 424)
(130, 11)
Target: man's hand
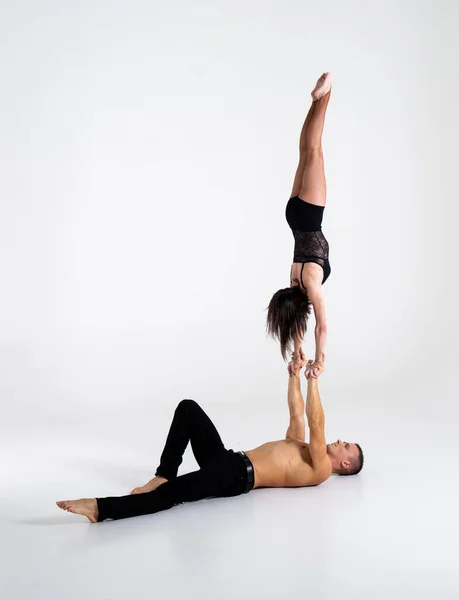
(297, 363)
(313, 369)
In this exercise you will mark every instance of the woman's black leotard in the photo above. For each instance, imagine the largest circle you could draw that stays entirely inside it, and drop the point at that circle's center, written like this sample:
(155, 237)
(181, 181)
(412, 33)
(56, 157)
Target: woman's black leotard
(305, 221)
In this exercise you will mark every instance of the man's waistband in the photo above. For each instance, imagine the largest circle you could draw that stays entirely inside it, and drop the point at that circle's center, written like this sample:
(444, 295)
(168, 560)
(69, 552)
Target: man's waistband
(250, 471)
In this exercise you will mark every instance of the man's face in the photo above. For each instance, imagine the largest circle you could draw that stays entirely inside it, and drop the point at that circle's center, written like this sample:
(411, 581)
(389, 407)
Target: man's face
(342, 451)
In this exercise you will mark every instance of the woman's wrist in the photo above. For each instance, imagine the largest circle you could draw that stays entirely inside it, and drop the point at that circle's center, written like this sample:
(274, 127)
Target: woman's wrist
(320, 357)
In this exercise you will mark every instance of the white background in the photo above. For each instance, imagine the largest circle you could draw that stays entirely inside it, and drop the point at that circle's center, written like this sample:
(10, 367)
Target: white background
(148, 151)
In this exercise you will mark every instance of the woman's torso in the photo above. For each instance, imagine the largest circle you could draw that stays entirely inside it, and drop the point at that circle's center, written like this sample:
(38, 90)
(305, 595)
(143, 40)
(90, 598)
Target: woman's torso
(311, 246)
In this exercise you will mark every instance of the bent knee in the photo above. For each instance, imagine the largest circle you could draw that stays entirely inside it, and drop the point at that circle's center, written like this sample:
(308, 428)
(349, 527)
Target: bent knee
(187, 404)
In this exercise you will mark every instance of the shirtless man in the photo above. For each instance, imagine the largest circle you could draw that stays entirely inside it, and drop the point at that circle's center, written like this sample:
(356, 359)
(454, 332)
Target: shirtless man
(286, 463)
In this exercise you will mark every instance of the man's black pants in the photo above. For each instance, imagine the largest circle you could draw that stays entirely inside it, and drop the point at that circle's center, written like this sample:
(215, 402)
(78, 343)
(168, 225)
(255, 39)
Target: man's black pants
(222, 472)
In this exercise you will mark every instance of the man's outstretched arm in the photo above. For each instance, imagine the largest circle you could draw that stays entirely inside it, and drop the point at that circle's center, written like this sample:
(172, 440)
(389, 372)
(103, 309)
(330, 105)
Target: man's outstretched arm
(316, 422)
(297, 427)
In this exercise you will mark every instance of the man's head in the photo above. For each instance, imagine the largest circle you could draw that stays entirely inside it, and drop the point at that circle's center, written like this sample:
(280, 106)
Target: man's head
(346, 458)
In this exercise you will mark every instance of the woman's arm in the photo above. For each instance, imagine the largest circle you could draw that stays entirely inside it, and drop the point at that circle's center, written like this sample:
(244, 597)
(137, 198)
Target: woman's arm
(298, 353)
(297, 347)
(317, 300)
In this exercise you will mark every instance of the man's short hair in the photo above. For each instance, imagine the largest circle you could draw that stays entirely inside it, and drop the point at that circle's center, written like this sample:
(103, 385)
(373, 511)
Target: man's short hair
(356, 464)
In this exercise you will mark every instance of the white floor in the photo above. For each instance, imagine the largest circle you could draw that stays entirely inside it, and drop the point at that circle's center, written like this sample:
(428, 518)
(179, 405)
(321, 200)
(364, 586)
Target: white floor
(389, 533)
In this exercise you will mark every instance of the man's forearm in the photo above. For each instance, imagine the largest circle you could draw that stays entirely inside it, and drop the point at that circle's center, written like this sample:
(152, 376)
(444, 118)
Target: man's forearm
(314, 410)
(295, 398)
(296, 428)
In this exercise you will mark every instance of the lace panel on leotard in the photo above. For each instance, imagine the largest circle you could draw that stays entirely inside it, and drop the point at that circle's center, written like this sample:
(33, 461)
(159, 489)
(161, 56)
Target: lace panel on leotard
(310, 246)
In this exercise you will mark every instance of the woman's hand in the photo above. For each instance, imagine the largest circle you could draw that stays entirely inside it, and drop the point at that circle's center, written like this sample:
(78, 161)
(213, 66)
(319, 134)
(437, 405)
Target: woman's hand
(298, 355)
(297, 363)
(314, 368)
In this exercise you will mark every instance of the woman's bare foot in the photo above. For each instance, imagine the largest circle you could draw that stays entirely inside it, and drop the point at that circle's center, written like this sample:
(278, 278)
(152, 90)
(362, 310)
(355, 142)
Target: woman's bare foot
(323, 86)
(150, 486)
(86, 507)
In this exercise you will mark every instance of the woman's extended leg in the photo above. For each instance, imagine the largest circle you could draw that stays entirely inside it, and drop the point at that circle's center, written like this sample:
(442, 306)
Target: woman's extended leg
(309, 182)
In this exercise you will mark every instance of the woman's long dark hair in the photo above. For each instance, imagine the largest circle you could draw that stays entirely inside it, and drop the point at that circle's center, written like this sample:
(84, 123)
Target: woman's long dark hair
(287, 317)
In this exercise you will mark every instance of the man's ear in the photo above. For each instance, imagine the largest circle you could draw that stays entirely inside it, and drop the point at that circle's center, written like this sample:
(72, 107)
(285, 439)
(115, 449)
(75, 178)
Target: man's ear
(345, 464)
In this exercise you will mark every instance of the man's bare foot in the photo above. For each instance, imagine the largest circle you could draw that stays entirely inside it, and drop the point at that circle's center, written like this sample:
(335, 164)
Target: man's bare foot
(150, 486)
(323, 86)
(86, 507)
